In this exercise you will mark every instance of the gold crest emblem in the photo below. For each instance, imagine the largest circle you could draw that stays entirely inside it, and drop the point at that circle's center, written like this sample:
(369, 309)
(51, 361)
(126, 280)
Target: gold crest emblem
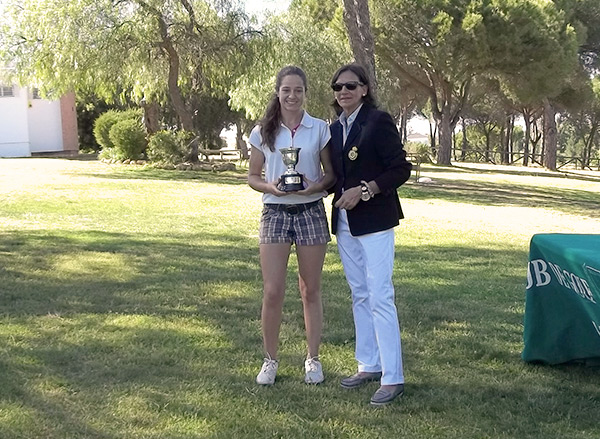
(353, 153)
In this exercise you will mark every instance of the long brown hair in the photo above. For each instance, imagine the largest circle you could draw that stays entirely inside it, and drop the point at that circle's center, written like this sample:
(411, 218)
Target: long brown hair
(359, 71)
(271, 122)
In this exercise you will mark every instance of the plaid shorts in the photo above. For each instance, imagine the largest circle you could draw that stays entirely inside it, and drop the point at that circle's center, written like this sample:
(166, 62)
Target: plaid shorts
(304, 224)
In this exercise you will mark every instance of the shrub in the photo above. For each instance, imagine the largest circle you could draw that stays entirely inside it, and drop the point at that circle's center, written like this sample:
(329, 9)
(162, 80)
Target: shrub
(169, 147)
(105, 122)
(102, 126)
(164, 147)
(129, 139)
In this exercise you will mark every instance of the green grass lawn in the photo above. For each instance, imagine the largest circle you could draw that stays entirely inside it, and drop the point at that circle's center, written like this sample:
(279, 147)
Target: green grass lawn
(130, 308)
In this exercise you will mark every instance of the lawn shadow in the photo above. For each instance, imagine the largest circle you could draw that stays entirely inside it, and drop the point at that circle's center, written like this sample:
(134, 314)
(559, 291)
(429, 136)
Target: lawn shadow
(178, 331)
(238, 177)
(453, 291)
(533, 172)
(165, 319)
(569, 201)
(458, 167)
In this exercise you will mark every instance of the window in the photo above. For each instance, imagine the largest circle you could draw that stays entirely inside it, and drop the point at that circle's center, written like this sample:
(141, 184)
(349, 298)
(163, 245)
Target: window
(6, 91)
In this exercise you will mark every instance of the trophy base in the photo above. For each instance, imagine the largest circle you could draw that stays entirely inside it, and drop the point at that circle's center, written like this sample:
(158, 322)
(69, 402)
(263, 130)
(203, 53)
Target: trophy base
(291, 183)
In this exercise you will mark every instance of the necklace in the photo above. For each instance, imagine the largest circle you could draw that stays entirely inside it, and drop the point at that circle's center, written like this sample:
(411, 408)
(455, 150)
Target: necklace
(296, 128)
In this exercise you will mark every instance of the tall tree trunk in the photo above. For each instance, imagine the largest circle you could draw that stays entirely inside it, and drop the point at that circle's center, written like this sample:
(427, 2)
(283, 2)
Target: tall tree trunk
(177, 99)
(358, 23)
(526, 143)
(465, 142)
(527, 120)
(588, 146)
(185, 115)
(507, 144)
(445, 147)
(535, 137)
(151, 116)
(550, 136)
(454, 148)
(486, 134)
(404, 125)
(240, 142)
(503, 144)
(433, 137)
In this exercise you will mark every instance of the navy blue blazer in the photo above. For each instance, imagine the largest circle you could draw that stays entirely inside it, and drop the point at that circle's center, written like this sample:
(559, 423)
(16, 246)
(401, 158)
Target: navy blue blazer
(380, 156)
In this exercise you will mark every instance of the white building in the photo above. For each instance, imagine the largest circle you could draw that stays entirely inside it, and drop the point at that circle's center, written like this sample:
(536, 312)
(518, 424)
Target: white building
(33, 126)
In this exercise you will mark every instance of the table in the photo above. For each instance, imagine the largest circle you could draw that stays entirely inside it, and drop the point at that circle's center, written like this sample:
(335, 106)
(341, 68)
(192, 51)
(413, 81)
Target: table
(562, 305)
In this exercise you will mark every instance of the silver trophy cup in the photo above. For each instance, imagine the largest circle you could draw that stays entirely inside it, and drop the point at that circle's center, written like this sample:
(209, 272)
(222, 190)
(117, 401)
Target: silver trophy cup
(291, 180)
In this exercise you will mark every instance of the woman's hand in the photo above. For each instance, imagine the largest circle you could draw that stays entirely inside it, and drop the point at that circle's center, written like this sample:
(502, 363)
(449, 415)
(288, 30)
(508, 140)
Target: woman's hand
(273, 188)
(310, 187)
(349, 198)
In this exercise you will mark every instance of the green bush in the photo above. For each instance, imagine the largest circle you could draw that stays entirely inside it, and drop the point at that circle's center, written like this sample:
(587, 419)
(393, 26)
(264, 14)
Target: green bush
(129, 139)
(169, 147)
(185, 138)
(102, 126)
(105, 122)
(163, 147)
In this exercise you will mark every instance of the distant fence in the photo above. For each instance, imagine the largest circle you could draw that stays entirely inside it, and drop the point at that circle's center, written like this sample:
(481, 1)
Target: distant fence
(479, 155)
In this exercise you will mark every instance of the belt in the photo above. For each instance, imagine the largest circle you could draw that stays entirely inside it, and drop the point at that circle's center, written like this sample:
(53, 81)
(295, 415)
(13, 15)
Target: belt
(292, 209)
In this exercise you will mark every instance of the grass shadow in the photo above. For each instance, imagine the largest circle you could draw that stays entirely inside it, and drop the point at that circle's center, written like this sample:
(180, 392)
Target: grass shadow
(109, 335)
(531, 172)
(121, 172)
(569, 201)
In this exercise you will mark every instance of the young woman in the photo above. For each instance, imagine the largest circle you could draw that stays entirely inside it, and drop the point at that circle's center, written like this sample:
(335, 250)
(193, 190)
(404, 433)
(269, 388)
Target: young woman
(370, 164)
(291, 217)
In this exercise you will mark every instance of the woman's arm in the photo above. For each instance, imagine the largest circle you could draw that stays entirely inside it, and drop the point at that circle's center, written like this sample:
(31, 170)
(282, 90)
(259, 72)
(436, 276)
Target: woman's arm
(328, 178)
(255, 179)
(395, 169)
(392, 154)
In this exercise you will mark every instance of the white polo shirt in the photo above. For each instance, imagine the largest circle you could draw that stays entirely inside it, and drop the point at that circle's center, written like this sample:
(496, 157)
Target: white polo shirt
(311, 137)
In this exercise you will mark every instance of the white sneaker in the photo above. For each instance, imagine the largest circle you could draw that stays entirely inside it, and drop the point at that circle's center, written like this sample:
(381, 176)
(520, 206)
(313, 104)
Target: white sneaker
(314, 371)
(267, 373)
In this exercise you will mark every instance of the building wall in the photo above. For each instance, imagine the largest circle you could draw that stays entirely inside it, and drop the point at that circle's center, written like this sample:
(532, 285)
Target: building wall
(14, 127)
(37, 126)
(45, 126)
(68, 113)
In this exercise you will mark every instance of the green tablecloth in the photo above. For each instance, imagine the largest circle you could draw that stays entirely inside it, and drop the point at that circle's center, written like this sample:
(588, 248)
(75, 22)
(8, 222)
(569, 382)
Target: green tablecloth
(562, 306)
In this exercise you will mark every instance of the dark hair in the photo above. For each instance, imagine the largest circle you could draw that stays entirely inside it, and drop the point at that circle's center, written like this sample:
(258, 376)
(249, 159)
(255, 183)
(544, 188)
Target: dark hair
(271, 122)
(359, 71)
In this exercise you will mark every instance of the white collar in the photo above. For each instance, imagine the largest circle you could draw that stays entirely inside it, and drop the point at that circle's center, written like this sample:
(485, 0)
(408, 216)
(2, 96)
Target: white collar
(350, 119)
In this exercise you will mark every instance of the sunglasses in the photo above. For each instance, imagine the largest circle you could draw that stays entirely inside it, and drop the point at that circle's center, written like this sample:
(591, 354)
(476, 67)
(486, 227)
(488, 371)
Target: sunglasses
(336, 86)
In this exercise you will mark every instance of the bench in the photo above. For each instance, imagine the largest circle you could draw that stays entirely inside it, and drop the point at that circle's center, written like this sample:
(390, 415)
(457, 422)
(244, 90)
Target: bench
(223, 154)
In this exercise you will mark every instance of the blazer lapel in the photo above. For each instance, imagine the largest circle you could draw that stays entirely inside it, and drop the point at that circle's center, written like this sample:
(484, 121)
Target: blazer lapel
(337, 137)
(361, 117)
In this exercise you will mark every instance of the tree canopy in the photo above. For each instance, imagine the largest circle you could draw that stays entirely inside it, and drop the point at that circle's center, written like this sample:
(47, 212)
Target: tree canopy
(441, 45)
(297, 38)
(159, 51)
(201, 59)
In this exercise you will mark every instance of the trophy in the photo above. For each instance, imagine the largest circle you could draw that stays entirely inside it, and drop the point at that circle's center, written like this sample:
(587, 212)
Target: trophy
(291, 180)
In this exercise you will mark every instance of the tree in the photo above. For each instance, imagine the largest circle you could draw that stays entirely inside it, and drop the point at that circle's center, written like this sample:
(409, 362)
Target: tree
(358, 23)
(400, 98)
(442, 45)
(162, 51)
(322, 52)
(586, 16)
(580, 127)
(487, 111)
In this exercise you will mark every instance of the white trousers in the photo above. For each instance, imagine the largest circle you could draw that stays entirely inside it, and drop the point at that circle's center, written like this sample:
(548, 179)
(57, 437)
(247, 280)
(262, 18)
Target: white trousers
(368, 262)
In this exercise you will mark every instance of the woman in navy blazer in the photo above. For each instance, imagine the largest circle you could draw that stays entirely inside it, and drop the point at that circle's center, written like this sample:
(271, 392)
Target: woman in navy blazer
(370, 164)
